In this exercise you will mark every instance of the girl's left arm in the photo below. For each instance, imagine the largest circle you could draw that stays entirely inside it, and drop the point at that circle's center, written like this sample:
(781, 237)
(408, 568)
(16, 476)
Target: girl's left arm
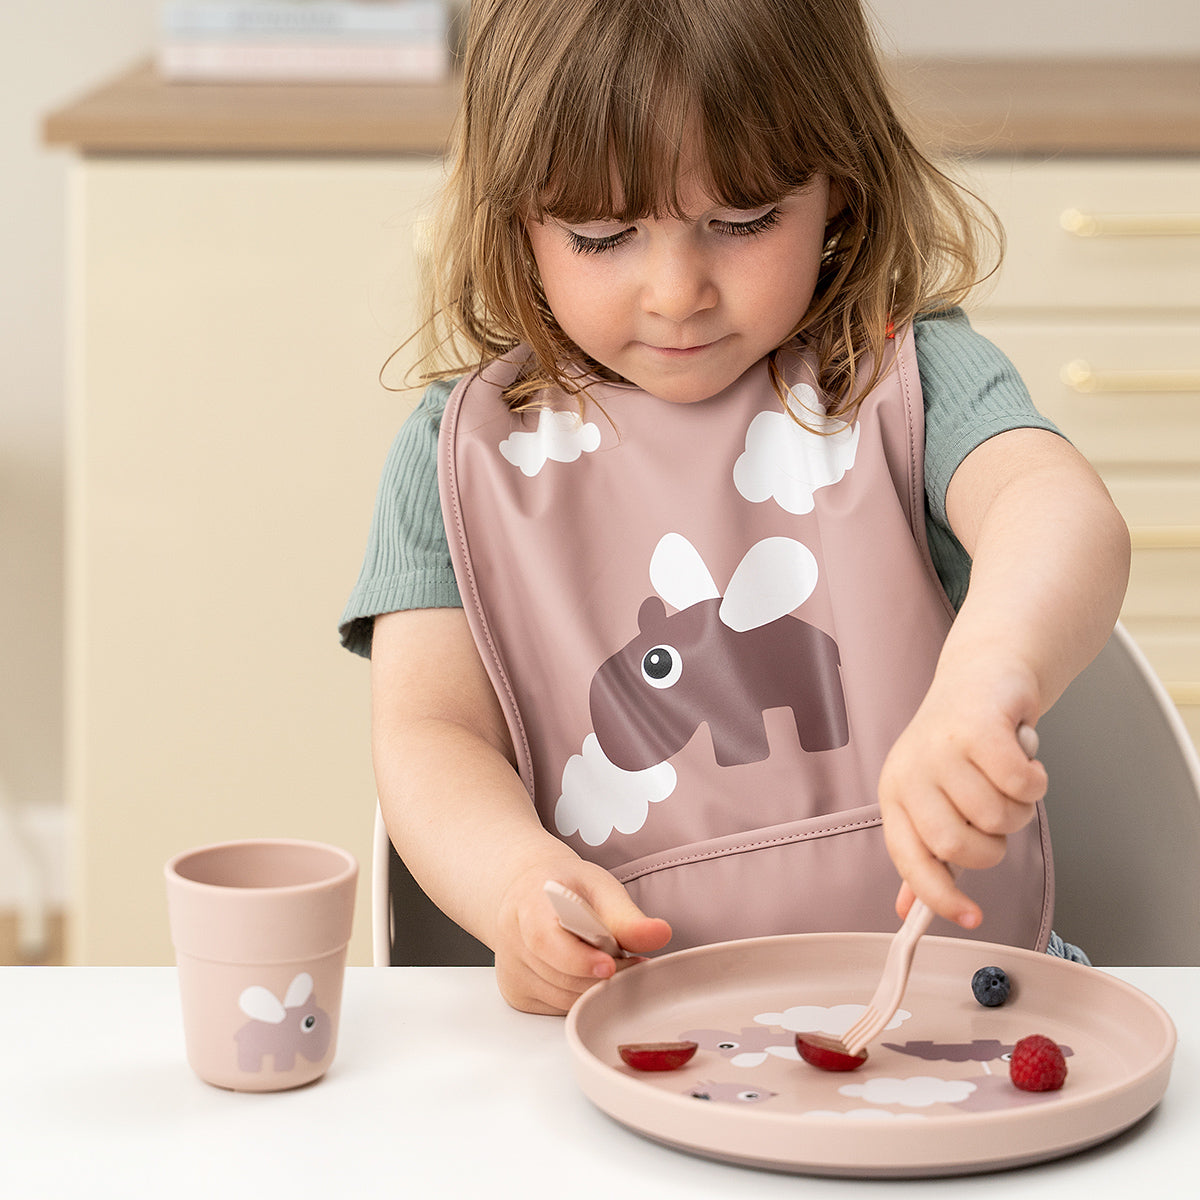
(1050, 563)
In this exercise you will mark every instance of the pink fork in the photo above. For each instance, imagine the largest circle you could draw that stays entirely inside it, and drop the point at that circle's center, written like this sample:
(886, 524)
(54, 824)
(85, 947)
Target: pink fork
(893, 981)
(577, 916)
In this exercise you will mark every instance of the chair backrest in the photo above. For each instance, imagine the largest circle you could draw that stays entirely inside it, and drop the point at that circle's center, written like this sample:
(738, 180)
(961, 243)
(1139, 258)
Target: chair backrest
(407, 928)
(1124, 805)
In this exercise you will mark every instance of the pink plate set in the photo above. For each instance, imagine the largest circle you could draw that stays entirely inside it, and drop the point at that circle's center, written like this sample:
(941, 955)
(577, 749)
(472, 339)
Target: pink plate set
(934, 1097)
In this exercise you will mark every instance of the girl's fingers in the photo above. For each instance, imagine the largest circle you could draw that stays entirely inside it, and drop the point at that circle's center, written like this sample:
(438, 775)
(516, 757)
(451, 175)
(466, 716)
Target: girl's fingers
(927, 877)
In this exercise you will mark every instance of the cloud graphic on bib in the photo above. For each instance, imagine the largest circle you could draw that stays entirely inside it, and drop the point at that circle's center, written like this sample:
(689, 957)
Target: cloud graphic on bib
(599, 798)
(788, 463)
(559, 437)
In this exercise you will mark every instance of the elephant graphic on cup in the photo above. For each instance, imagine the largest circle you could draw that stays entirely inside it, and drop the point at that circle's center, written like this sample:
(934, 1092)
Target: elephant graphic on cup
(282, 1028)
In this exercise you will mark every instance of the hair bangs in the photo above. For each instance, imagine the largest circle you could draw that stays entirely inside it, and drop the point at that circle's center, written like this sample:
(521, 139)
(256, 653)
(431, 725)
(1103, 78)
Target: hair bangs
(665, 104)
(620, 109)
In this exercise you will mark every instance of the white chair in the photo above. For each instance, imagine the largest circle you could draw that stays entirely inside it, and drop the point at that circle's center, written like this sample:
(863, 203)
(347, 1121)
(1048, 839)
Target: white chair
(1124, 807)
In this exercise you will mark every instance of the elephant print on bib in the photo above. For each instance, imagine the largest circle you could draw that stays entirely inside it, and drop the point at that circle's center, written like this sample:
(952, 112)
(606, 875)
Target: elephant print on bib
(718, 661)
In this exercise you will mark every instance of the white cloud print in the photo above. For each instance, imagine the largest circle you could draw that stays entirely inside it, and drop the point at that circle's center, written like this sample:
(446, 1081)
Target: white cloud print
(832, 1021)
(560, 436)
(788, 463)
(865, 1114)
(598, 797)
(917, 1091)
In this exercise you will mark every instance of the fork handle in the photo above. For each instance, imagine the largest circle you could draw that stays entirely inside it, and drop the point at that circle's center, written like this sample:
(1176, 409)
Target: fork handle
(920, 915)
(918, 920)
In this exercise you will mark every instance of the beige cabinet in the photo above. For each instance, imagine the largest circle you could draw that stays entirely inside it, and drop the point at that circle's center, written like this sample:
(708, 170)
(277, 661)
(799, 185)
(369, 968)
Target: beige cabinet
(1098, 305)
(241, 267)
(227, 428)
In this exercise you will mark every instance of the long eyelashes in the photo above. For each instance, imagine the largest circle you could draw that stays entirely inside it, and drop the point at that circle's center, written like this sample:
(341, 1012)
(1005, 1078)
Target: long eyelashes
(598, 245)
(749, 228)
(590, 245)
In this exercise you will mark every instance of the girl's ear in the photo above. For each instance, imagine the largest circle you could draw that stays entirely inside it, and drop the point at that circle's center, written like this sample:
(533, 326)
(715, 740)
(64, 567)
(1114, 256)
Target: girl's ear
(837, 200)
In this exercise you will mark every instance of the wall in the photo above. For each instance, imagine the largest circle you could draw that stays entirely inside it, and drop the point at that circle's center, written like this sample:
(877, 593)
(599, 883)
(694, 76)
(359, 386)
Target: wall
(974, 28)
(53, 50)
(49, 52)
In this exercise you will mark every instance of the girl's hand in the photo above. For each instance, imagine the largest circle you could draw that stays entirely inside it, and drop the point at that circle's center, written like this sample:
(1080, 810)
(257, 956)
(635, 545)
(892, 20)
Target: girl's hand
(954, 786)
(540, 967)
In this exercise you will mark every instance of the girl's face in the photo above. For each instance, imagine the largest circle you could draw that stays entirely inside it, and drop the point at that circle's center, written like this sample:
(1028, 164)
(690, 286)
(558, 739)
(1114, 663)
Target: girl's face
(683, 307)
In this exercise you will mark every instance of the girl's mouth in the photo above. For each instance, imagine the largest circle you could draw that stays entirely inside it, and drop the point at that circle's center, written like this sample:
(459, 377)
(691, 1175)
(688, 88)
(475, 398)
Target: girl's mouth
(682, 351)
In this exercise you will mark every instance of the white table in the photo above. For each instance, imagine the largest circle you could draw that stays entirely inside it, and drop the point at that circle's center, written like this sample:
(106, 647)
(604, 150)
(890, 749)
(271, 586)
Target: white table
(438, 1090)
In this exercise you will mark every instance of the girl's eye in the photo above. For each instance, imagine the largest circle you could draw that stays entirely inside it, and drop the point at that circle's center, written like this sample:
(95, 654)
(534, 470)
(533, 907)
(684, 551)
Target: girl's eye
(592, 244)
(760, 224)
(582, 244)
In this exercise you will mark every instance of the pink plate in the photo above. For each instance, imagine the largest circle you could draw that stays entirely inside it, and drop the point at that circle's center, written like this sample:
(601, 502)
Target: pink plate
(934, 1097)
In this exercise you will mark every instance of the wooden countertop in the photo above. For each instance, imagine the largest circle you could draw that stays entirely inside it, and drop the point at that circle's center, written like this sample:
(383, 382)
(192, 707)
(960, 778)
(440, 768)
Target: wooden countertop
(140, 113)
(1027, 106)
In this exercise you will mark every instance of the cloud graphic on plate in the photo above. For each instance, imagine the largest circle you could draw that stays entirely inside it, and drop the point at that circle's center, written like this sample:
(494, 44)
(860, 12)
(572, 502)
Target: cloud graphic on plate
(833, 1021)
(870, 1114)
(918, 1091)
(756, 1059)
(787, 462)
(598, 797)
(560, 436)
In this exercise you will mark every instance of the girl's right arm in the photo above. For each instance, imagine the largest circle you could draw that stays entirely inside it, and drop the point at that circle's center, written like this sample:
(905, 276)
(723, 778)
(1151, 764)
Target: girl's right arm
(461, 819)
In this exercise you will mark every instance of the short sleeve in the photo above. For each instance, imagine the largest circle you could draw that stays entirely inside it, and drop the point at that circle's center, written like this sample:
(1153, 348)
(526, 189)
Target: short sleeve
(972, 392)
(407, 560)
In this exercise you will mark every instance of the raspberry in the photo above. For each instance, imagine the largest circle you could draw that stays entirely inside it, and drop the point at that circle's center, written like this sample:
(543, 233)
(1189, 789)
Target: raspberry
(991, 986)
(1037, 1065)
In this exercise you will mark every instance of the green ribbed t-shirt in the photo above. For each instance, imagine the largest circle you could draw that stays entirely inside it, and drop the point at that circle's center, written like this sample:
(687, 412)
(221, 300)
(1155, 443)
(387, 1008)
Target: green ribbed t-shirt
(971, 391)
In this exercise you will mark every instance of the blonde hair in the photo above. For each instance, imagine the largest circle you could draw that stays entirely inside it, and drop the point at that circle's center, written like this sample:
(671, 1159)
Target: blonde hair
(580, 110)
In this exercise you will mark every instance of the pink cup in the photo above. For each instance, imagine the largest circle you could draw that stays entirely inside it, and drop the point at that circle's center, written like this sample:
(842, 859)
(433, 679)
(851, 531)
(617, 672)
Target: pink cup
(260, 929)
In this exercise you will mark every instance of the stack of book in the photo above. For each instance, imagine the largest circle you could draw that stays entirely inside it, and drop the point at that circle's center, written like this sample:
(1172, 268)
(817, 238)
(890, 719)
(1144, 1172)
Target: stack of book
(304, 41)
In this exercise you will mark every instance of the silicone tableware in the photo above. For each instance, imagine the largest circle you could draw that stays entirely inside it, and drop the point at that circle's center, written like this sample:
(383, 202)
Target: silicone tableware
(892, 982)
(933, 1099)
(883, 1005)
(577, 916)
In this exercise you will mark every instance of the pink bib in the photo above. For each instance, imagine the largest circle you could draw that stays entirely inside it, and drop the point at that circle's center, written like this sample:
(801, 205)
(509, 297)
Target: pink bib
(707, 624)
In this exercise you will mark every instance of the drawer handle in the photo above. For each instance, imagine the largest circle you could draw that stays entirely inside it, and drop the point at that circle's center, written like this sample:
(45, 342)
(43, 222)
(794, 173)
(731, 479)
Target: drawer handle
(1098, 225)
(1165, 537)
(1080, 377)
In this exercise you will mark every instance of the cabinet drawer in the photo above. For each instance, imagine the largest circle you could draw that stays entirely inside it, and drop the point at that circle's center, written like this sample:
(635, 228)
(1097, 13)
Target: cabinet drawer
(1161, 502)
(1173, 649)
(1122, 391)
(1163, 583)
(1134, 241)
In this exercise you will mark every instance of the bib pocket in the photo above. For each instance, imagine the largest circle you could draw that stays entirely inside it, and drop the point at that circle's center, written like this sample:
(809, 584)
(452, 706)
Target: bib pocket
(820, 874)
(828, 874)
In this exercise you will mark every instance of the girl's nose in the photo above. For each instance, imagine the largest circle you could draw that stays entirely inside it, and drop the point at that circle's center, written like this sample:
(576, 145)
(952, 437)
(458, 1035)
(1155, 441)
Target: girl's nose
(679, 283)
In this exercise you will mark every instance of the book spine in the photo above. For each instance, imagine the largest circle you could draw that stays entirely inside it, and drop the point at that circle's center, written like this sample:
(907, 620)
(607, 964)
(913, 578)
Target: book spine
(411, 62)
(301, 18)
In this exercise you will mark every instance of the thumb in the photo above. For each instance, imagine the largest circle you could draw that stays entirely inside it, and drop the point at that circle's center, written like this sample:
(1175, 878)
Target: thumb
(629, 925)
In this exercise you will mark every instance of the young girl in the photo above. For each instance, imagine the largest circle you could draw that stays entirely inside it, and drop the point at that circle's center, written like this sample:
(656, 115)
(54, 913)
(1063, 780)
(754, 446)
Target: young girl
(720, 585)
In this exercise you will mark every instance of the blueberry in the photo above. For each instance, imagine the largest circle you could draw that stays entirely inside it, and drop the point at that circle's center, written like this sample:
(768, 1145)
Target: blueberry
(991, 986)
